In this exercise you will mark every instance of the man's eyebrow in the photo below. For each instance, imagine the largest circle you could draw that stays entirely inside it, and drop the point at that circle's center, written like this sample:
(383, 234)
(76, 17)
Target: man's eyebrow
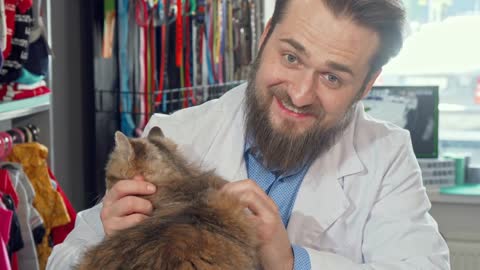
(331, 64)
(295, 44)
(340, 67)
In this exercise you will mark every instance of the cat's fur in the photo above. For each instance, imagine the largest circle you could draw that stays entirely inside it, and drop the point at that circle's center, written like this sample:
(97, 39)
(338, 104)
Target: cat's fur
(193, 226)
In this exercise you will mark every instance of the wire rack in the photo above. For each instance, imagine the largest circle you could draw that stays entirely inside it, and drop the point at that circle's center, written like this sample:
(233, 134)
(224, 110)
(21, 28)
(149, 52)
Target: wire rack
(163, 101)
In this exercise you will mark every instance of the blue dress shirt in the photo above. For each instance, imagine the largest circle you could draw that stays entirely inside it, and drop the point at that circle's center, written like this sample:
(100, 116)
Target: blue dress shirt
(283, 190)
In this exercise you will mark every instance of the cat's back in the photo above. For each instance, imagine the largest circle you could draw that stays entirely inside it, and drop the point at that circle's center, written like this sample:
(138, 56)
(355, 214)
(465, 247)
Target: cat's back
(204, 234)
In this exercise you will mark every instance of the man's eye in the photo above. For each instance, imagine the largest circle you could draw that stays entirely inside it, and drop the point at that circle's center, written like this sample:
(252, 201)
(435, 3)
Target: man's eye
(332, 78)
(291, 59)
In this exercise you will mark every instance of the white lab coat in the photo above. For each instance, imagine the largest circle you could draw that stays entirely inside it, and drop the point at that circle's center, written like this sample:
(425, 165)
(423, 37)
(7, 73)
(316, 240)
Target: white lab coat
(361, 205)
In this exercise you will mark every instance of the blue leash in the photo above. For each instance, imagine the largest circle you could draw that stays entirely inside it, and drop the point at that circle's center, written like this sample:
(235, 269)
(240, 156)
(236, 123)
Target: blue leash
(127, 124)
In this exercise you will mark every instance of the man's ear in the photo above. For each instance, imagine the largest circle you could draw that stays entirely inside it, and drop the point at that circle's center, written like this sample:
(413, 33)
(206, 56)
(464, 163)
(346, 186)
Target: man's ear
(265, 33)
(369, 85)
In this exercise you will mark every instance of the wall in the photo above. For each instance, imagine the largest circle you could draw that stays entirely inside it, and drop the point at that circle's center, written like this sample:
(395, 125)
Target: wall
(72, 96)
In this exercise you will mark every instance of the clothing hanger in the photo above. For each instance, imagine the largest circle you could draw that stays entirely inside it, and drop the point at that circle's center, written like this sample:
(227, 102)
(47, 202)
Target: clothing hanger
(2, 148)
(28, 134)
(17, 135)
(7, 141)
(35, 131)
(13, 136)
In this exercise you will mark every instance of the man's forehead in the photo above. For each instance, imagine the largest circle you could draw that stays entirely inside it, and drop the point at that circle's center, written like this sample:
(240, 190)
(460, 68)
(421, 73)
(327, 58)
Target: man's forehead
(319, 31)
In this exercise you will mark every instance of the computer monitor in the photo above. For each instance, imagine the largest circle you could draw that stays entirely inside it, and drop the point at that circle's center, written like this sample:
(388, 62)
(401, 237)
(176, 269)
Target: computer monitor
(414, 108)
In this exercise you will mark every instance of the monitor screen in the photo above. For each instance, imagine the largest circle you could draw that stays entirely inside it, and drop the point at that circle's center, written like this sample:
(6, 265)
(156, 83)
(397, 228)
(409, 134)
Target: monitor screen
(414, 108)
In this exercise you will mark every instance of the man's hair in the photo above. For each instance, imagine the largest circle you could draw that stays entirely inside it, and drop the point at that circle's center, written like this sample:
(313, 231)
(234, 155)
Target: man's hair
(385, 17)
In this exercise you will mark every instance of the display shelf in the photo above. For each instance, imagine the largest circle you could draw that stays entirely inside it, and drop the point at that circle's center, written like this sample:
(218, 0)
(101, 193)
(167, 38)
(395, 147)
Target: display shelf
(436, 197)
(19, 108)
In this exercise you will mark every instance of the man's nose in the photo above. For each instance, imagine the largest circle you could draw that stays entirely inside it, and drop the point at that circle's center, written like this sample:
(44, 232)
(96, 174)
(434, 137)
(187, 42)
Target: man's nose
(303, 91)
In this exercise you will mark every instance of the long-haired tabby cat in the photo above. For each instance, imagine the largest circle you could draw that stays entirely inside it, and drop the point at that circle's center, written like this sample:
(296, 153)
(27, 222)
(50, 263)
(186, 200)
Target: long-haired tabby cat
(193, 226)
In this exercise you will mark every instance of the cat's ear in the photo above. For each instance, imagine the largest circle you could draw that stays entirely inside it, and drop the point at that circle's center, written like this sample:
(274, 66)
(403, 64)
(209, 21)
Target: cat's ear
(155, 133)
(123, 144)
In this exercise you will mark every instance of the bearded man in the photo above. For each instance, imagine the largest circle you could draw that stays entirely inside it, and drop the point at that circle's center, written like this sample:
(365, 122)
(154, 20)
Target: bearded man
(328, 187)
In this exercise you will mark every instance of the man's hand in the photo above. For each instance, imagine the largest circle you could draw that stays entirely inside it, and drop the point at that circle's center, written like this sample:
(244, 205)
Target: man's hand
(122, 209)
(275, 248)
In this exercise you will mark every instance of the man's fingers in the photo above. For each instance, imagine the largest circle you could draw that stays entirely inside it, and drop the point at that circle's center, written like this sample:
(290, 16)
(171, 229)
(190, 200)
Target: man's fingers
(130, 205)
(255, 203)
(134, 219)
(128, 187)
(126, 222)
(138, 178)
(252, 196)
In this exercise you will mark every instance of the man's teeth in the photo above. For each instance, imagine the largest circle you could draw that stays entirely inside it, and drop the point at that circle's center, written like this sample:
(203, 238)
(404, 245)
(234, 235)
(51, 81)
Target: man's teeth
(295, 110)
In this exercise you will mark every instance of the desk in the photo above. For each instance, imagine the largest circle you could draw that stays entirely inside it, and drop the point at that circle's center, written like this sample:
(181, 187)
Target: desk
(458, 219)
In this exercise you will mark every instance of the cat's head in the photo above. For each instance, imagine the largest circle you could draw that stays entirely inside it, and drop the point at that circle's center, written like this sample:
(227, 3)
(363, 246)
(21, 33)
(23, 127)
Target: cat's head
(138, 156)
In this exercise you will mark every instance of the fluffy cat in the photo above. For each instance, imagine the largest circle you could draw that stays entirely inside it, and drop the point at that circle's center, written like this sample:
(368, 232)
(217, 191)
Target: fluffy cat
(193, 226)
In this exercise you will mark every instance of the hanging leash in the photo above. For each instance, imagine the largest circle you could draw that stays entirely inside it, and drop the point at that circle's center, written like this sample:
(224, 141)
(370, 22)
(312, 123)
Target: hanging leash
(200, 22)
(153, 62)
(127, 123)
(161, 72)
(221, 47)
(253, 29)
(186, 64)
(179, 35)
(230, 44)
(209, 44)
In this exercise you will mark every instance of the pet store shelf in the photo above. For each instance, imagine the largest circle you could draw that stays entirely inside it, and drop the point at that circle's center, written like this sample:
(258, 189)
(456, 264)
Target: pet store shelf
(24, 107)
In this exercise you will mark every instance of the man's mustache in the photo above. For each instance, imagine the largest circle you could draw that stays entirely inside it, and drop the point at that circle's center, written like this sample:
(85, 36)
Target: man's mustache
(283, 97)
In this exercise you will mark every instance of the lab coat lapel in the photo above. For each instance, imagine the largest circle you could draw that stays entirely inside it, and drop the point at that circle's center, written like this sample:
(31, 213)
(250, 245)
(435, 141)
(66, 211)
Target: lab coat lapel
(320, 202)
(321, 199)
(226, 152)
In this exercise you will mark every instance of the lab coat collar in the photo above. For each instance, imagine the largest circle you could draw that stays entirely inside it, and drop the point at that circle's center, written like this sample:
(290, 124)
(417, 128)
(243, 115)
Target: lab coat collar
(347, 160)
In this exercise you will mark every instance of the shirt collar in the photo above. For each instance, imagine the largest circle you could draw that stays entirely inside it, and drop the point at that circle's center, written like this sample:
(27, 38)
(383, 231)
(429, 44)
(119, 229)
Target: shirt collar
(248, 151)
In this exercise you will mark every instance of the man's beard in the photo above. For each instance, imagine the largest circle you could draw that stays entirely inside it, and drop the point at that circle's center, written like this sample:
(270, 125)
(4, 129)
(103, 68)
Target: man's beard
(282, 150)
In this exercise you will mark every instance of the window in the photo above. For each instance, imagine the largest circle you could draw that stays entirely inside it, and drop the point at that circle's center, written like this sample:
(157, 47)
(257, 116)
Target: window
(442, 48)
